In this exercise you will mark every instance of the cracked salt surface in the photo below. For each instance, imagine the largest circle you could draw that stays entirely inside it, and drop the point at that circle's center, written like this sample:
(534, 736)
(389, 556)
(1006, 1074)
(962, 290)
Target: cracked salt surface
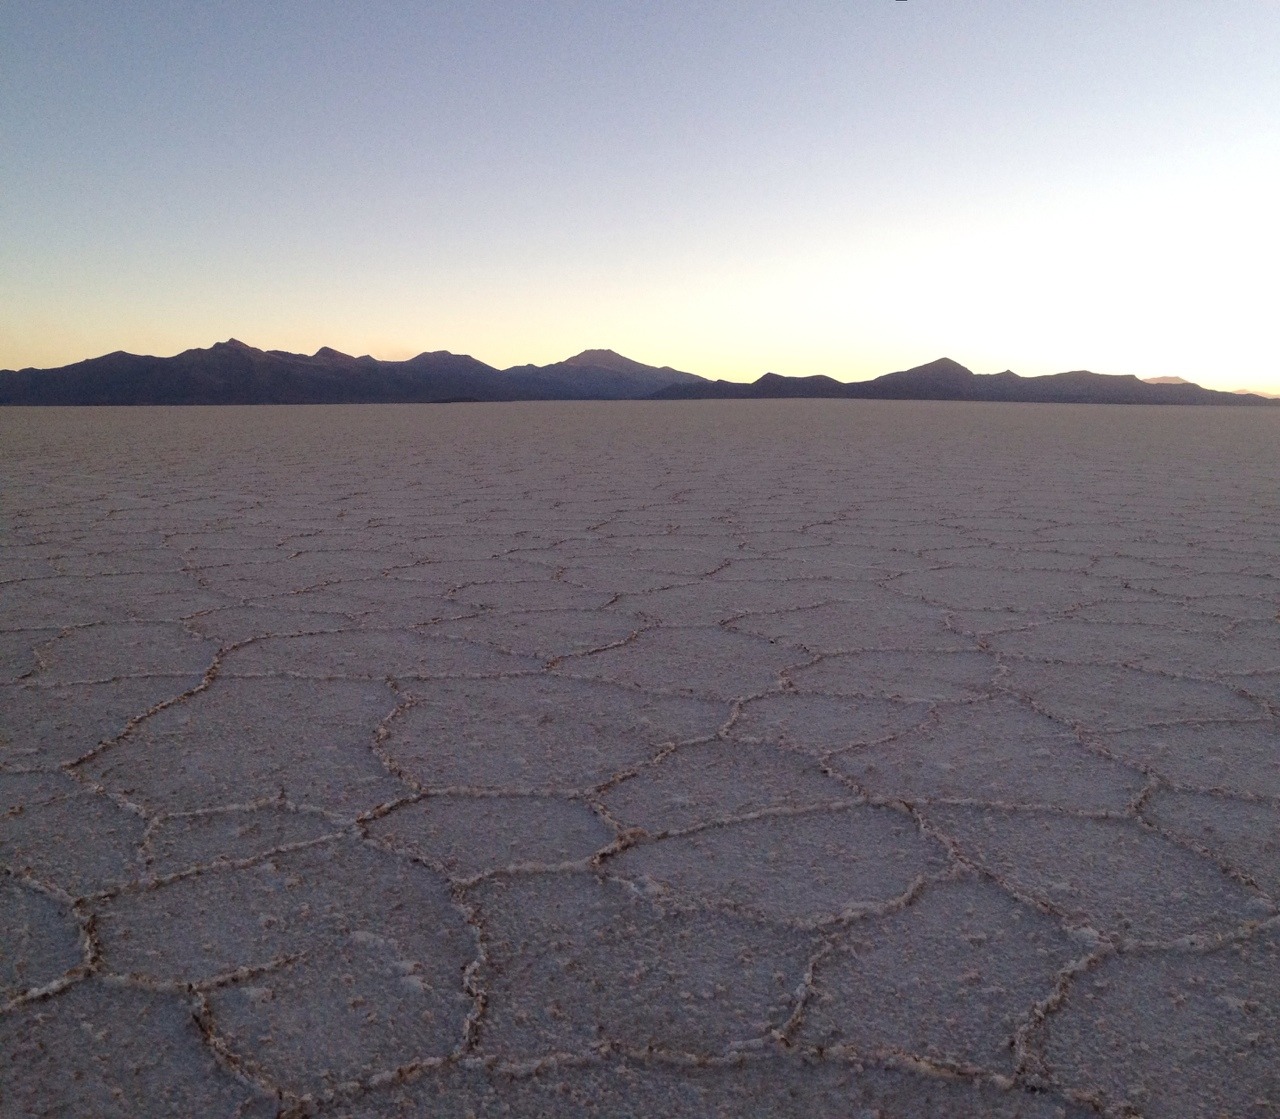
(799, 758)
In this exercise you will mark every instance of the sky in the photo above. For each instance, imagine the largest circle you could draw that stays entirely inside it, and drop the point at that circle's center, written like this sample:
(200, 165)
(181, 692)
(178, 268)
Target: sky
(730, 188)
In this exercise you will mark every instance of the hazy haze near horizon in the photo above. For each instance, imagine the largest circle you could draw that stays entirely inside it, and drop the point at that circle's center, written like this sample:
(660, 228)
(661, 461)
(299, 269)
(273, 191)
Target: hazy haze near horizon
(721, 188)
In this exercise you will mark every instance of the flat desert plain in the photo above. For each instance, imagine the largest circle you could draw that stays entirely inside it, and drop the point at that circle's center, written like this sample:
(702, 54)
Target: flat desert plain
(803, 758)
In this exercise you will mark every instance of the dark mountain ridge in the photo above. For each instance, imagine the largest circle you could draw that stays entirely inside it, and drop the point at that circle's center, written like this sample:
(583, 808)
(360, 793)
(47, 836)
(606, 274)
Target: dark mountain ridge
(602, 375)
(945, 379)
(233, 373)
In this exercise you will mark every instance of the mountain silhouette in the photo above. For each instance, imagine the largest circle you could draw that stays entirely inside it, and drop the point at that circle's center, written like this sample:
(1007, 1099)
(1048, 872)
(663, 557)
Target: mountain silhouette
(601, 375)
(945, 379)
(232, 372)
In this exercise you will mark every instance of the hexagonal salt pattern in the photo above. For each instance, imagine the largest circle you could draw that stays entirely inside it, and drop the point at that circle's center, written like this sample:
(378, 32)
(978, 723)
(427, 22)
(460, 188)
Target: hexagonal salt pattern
(786, 758)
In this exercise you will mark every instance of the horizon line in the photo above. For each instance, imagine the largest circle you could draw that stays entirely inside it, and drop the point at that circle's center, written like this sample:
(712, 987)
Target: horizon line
(236, 342)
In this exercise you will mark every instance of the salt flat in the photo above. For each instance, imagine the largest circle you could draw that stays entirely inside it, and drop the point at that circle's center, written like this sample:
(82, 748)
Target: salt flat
(691, 759)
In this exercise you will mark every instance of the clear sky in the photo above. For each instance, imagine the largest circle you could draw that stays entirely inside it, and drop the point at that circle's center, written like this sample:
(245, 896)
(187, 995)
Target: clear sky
(806, 187)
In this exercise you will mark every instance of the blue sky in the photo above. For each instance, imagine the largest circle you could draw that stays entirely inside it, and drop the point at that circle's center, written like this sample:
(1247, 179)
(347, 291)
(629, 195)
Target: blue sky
(840, 188)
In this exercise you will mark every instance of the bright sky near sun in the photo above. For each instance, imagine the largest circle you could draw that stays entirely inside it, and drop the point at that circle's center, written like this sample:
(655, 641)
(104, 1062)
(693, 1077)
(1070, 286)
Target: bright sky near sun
(844, 188)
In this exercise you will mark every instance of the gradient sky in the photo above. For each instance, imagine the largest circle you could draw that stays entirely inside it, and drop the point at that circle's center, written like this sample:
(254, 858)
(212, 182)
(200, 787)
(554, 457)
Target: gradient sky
(842, 188)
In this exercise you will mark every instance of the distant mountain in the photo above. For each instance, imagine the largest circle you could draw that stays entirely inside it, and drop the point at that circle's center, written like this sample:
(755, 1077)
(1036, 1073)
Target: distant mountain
(945, 379)
(602, 375)
(232, 373)
(1237, 392)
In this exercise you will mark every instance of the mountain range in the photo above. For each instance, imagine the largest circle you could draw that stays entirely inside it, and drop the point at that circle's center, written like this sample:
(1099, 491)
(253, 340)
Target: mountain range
(233, 373)
(945, 379)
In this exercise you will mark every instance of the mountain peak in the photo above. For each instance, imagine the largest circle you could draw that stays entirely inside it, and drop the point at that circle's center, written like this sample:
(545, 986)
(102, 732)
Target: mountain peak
(595, 362)
(604, 359)
(235, 345)
(944, 365)
(933, 372)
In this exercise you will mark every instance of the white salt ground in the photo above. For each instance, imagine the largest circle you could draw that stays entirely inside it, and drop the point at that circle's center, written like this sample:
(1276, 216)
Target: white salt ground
(818, 759)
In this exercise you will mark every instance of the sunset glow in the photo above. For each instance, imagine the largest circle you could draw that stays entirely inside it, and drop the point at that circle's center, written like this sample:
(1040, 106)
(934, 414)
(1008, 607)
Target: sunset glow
(727, 189)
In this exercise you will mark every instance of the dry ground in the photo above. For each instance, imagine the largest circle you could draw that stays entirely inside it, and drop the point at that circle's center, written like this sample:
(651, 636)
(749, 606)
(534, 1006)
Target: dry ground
(783, 758)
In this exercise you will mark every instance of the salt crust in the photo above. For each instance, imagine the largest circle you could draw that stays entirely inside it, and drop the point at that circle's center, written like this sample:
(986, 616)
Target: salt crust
(790, 758)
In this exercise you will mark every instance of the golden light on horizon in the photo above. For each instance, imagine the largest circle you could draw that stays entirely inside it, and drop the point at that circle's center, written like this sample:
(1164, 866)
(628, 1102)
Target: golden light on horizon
(843, 192)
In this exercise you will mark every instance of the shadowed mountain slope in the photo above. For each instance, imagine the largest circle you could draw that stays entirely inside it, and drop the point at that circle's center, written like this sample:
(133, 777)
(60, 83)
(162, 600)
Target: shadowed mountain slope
(232, 373)
(602, 375)
(945, 379)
